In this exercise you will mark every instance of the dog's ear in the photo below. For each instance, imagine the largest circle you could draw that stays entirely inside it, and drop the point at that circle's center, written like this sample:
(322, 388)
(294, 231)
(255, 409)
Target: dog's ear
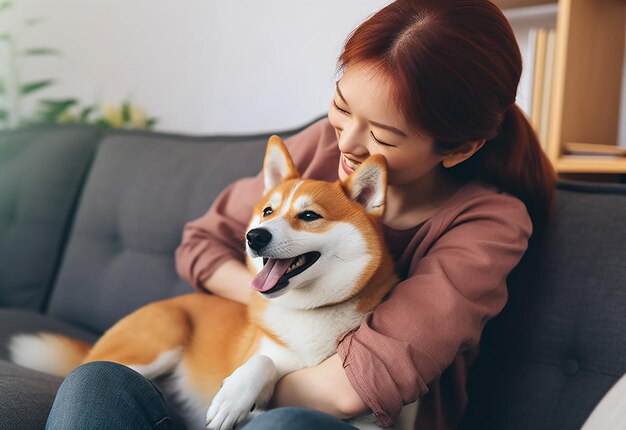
(367, 185)
(277, 166)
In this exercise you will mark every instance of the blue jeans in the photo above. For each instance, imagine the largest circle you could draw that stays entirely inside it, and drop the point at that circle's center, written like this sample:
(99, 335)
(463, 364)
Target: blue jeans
(104, 395)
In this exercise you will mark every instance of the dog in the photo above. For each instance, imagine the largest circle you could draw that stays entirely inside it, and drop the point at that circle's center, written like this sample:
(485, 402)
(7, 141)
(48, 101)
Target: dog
(321, 265)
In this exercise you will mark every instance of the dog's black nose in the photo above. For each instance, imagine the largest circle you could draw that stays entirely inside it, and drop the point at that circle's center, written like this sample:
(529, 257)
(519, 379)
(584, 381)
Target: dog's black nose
(258, 238)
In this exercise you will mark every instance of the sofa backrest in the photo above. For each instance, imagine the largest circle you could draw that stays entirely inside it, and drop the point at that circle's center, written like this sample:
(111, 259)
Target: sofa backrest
(42, 170)
(142, 189)
(560, 343)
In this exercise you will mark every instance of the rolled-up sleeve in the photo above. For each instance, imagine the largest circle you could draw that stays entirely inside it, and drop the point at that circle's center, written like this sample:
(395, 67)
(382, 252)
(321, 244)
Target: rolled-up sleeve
(217, 237)
(440, 309)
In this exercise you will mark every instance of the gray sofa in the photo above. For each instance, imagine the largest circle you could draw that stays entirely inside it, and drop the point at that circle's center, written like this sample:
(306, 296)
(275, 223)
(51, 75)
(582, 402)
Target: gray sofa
(90, 219)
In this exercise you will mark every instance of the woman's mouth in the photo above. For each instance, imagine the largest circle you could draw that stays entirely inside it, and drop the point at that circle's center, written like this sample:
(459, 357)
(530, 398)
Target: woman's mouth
(348, 165)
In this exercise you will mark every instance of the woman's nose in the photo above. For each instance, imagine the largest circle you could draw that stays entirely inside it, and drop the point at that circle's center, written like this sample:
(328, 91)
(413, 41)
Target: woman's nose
(352, 141)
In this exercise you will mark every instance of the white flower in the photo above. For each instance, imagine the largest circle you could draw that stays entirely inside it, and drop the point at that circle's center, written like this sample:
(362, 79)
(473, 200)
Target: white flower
(138, 117)
(113, 115)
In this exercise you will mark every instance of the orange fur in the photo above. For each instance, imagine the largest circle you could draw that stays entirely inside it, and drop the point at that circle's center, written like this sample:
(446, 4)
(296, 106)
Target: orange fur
(71, 352)
(256, 310)
(215, 333)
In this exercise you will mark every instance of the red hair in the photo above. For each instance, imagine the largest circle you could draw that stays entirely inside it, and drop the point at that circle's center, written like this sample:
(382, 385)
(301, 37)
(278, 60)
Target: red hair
(455, 66)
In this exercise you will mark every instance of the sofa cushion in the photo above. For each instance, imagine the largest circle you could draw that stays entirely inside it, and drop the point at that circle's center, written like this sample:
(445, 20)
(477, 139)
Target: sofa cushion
(141, 191)
(23, 321)
(560, 343)
(41, 173)
(27, 397)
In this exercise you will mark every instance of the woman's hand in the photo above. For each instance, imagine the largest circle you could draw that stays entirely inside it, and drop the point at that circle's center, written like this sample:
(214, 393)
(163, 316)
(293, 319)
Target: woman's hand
(324, 387)
(232, 281)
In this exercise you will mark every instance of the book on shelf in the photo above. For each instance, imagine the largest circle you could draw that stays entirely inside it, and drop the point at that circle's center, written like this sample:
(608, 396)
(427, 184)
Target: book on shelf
(574, 149)
(548, 73)
(524, 90)
(542, 43)
(540, 38)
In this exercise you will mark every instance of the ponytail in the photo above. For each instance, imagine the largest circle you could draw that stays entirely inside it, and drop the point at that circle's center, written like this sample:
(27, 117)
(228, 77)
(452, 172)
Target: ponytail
(515, 162)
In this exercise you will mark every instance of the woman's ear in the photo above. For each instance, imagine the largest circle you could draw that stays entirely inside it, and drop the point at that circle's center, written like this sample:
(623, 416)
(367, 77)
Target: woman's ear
(464, 152)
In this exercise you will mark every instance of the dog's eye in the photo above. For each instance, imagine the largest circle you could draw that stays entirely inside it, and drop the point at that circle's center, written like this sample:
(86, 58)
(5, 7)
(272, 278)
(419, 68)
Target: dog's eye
(309, 216)
(267, 211)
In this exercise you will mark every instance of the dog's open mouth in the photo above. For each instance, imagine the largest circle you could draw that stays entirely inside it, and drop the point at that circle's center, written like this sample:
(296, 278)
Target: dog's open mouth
(276, 272)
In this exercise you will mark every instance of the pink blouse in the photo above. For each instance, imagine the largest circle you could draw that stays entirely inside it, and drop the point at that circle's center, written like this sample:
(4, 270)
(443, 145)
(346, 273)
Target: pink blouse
(422, 339)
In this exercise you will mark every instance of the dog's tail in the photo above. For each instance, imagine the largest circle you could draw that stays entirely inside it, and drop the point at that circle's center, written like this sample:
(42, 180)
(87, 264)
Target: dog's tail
(47, 352)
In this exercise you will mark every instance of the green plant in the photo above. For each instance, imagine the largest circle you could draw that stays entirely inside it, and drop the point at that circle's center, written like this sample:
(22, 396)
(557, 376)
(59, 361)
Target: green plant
(124, 115)
(13, 92)
(12, 89)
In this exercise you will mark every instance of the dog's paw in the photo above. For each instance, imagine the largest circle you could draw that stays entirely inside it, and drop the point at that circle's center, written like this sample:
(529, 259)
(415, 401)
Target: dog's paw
(251, 384)
(230, 407)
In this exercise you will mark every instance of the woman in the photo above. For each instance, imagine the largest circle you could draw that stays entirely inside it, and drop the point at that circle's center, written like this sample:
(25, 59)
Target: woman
(431, 85)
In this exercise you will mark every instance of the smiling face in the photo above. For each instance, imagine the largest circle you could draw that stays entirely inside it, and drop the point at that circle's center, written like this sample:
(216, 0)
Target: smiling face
(367, 122)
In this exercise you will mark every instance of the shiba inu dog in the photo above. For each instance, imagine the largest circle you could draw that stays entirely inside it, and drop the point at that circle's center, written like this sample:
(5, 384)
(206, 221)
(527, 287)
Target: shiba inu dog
(321, 265)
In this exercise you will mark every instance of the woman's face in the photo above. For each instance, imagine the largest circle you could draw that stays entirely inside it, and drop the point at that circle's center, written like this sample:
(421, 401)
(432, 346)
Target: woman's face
(367, 122)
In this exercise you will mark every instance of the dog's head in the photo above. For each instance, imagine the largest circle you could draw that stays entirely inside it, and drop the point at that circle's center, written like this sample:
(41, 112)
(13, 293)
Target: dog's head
(314, 243)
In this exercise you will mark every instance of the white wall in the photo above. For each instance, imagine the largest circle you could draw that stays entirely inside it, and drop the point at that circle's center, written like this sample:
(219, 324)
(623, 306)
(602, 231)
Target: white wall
(204, 66)
(200, 66)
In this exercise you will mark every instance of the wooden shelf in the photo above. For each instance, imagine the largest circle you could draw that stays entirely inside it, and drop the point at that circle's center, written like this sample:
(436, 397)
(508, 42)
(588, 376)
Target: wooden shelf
(588, 74)
(585, 96)
(590, 164)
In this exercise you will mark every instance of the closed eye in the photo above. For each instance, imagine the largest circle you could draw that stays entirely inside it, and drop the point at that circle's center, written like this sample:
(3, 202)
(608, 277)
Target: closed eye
(379, 141)
(345, 112)
(339, 109)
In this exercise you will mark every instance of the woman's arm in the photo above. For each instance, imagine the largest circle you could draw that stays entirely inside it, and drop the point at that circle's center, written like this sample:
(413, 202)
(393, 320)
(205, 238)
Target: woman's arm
(324, 387)
(456, 283)
(232, 281)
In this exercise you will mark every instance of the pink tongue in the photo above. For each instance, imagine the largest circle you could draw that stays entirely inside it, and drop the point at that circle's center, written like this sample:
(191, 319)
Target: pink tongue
(268, 277)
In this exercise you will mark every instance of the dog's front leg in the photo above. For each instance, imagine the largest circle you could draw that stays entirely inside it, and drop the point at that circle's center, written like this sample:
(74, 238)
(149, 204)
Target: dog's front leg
(250, 385)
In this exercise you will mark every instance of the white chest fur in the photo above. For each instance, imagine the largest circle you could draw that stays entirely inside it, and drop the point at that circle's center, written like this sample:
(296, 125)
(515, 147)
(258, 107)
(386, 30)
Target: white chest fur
(312, 335)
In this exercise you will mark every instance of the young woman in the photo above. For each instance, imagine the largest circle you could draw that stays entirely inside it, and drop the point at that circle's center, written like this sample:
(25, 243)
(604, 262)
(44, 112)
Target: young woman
(431, 85)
